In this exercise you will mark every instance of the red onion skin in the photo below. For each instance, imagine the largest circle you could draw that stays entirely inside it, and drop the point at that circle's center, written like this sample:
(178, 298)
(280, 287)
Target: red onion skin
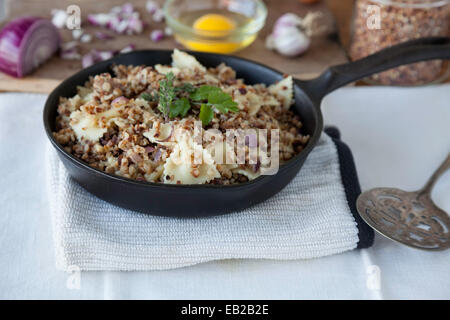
(128, 48)
(87, 60)
(119, 99)
(157, 155)
(18, 37)
(149, 149)
(157, 35)
(103, 36)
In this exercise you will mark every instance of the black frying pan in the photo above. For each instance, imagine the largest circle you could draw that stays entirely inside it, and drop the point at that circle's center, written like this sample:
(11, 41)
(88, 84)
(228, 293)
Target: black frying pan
(205, 200)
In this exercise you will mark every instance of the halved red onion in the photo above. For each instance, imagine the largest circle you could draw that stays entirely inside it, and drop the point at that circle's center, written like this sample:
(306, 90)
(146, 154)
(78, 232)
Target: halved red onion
(26, 43)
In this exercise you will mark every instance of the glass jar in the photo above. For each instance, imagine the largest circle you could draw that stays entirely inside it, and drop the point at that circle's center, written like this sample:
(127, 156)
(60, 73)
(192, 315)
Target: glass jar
(381, 23)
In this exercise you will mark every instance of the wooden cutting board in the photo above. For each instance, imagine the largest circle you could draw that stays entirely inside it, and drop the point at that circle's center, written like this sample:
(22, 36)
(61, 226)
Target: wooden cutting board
(324, 51)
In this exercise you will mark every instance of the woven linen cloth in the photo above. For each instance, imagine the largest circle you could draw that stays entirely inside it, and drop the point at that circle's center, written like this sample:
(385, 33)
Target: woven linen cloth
(309, 218)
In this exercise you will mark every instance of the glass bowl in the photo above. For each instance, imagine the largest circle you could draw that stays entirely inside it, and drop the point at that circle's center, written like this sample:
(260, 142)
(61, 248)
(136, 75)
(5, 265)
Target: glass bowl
(247, 17)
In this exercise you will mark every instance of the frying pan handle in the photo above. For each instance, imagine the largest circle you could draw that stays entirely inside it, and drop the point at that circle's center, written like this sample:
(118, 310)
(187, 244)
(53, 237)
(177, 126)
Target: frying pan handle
(404, 53)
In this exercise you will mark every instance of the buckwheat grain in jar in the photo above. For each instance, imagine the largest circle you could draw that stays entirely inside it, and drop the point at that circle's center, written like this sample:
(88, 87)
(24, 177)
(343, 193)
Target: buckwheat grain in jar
(382, 23)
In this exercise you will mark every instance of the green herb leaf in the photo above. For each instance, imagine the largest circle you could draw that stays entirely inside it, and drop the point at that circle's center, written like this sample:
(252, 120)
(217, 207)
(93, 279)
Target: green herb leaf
(149, 97)
(202, 93)
(166, 94)
(206, 114)
(216, 98)
(222, 102)
(179, 108)
(185, 87)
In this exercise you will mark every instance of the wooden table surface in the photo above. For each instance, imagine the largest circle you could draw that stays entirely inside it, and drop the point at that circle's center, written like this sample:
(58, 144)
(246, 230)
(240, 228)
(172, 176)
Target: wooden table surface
(324, 51)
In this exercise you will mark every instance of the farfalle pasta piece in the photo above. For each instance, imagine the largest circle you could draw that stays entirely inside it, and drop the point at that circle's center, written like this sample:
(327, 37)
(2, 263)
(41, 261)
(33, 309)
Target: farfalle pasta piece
(284, 91)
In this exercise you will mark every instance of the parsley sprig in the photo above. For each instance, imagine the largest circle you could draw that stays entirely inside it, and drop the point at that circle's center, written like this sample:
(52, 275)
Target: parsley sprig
(216, 99)
(210, 98)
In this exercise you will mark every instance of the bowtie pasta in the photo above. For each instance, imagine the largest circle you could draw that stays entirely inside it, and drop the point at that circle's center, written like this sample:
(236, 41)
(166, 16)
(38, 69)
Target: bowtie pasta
(144, 123)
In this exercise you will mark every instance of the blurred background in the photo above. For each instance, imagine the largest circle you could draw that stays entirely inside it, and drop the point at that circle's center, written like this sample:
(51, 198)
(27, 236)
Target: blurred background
(299, 37)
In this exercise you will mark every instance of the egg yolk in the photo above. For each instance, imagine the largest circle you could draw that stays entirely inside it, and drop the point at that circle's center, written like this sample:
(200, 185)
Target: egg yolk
(217, 28)
(214, 22)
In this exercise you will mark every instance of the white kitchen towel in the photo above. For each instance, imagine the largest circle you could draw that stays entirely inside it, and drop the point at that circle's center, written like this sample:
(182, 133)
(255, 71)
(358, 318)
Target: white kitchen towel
(309, 218)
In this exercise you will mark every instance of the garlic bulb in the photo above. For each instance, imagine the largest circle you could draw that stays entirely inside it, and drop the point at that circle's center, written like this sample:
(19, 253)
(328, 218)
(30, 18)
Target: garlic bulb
(291, 41)
(291, 34)
(287, 20)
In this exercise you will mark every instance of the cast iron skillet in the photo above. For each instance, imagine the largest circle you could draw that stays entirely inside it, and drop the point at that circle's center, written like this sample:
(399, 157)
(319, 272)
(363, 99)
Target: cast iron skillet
(206, 200)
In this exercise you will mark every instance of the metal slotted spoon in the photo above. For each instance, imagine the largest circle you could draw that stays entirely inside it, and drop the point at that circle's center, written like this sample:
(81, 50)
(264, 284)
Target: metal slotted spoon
(410, 218)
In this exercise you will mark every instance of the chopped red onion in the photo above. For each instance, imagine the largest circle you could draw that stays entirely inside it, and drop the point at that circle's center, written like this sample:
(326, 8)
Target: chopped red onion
(103, 36)
(151, 6)
(26, 43)
(100, 19)
(120, 99)
(157, 155)
(95, 56)
(158, 16)
(69, 51)
(128, 48)
(135, 157)
(104, 55)
(122, 19)
(59, 18)
(70, 55)
(77, 33)
(168, 31)
(127, 8)
(68, 46)
(157, 35)
(149, 149)
(85, 38)
(88, 60)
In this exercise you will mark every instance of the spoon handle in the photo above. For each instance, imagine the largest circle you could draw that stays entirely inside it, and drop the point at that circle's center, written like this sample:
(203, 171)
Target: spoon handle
(426, 190)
